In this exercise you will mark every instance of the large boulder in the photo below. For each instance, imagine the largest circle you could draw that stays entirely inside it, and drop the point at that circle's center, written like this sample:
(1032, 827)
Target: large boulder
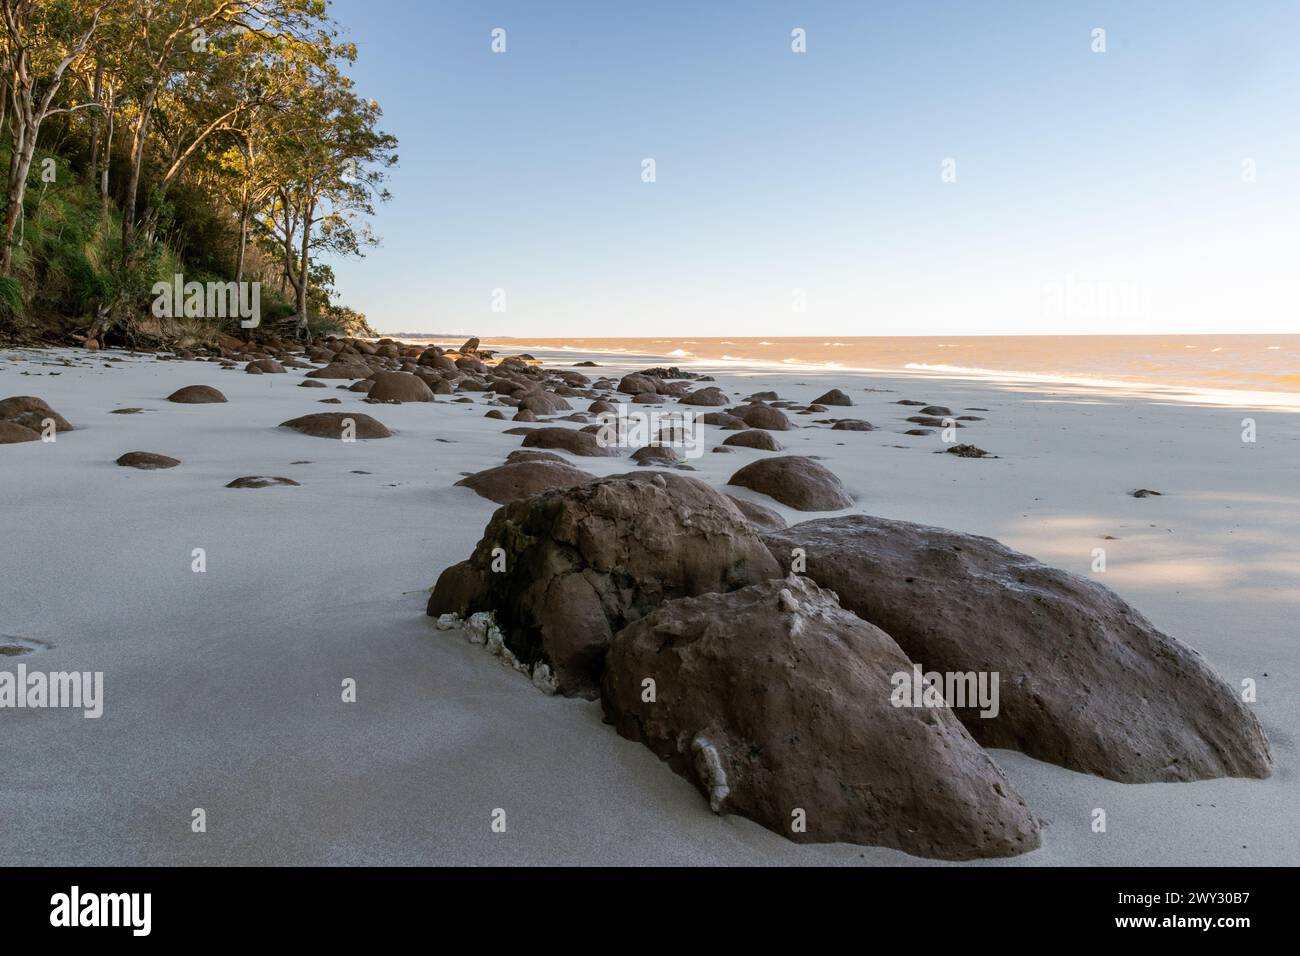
(708, 396)
(519, 479)
(777, 704)
(753, 438)
(583, 444)
(338, 425)
(577, 564)
(541, 402)
(795, 481)
(399, 387)
(196, 395)
(32, 412)
(1085, 681)
(759, 415)
(638, 384)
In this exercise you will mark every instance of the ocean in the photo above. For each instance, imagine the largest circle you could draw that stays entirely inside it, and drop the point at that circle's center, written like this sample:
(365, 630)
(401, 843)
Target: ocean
(1255, 363)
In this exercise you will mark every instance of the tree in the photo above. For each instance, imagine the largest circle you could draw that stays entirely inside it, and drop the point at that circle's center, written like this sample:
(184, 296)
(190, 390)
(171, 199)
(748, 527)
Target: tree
(331, 163)
(39, 47)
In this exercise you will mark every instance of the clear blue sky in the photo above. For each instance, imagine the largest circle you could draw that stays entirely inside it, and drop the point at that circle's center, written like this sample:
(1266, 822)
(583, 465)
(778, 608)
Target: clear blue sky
(1095, 192)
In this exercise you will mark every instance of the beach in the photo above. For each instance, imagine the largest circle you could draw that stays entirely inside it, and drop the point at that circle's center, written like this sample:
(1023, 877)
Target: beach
(222, 688)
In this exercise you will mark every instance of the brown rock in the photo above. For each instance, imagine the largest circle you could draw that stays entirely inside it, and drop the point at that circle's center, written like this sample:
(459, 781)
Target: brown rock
(261, 481)
(582, 562)
(796, 482)
(710, 395)
(833, 397)
(638, 384)
(11, 433)
(147, 461)
(528, 454)
(773, 699)
(753, 438)
(342, 370)
(519, 479)
(1085, 681)
(723, 420)
(853, 425)
(584, 444)
(541, 402)
(332, 425)
(762, 416)
(265, 366)
(31, 412)
(655, 455)
(196, 395)
(399, 387)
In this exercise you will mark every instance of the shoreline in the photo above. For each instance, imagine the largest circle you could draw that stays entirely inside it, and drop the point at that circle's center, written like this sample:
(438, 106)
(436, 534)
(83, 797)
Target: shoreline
(1133, 388)
(220, 689)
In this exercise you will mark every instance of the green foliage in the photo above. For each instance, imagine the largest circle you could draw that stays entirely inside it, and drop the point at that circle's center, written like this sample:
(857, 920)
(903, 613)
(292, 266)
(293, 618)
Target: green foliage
(11, 301)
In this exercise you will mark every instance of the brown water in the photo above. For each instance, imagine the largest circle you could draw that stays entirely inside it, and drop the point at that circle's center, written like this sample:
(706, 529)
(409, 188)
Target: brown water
(1266, 363)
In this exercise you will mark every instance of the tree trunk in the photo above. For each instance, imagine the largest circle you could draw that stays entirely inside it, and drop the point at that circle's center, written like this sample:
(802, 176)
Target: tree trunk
(304, 265)
(98, 94)
(19, 166)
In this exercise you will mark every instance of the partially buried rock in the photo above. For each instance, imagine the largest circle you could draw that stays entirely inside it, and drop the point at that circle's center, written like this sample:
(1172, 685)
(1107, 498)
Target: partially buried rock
(833, 397)
(311, 383)
(529, 454)
(575, 565)
(265, 366)
(196, 395)
(753, 438)
(147, 461)
(853, 425)
(773, 700)
(969, 451)
(796, 482)
(762, 416)
(11, 433)
(706, 396)
(261, 481)
(656, 455)
(33, 413)
(519, 479)
(584, 444)
(1084, 680)
(338, 425)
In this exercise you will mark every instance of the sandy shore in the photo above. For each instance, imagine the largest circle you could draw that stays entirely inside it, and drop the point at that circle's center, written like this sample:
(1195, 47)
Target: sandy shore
(222, 689)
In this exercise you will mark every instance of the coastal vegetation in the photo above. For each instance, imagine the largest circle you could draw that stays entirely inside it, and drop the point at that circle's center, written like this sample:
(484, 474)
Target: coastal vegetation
(217, 140)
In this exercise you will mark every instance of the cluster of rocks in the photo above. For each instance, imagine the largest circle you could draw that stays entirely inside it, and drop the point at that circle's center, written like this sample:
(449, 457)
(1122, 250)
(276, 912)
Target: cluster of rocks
(773, 691)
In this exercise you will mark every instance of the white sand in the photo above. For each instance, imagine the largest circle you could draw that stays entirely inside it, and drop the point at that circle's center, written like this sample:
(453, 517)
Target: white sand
(223, 689)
